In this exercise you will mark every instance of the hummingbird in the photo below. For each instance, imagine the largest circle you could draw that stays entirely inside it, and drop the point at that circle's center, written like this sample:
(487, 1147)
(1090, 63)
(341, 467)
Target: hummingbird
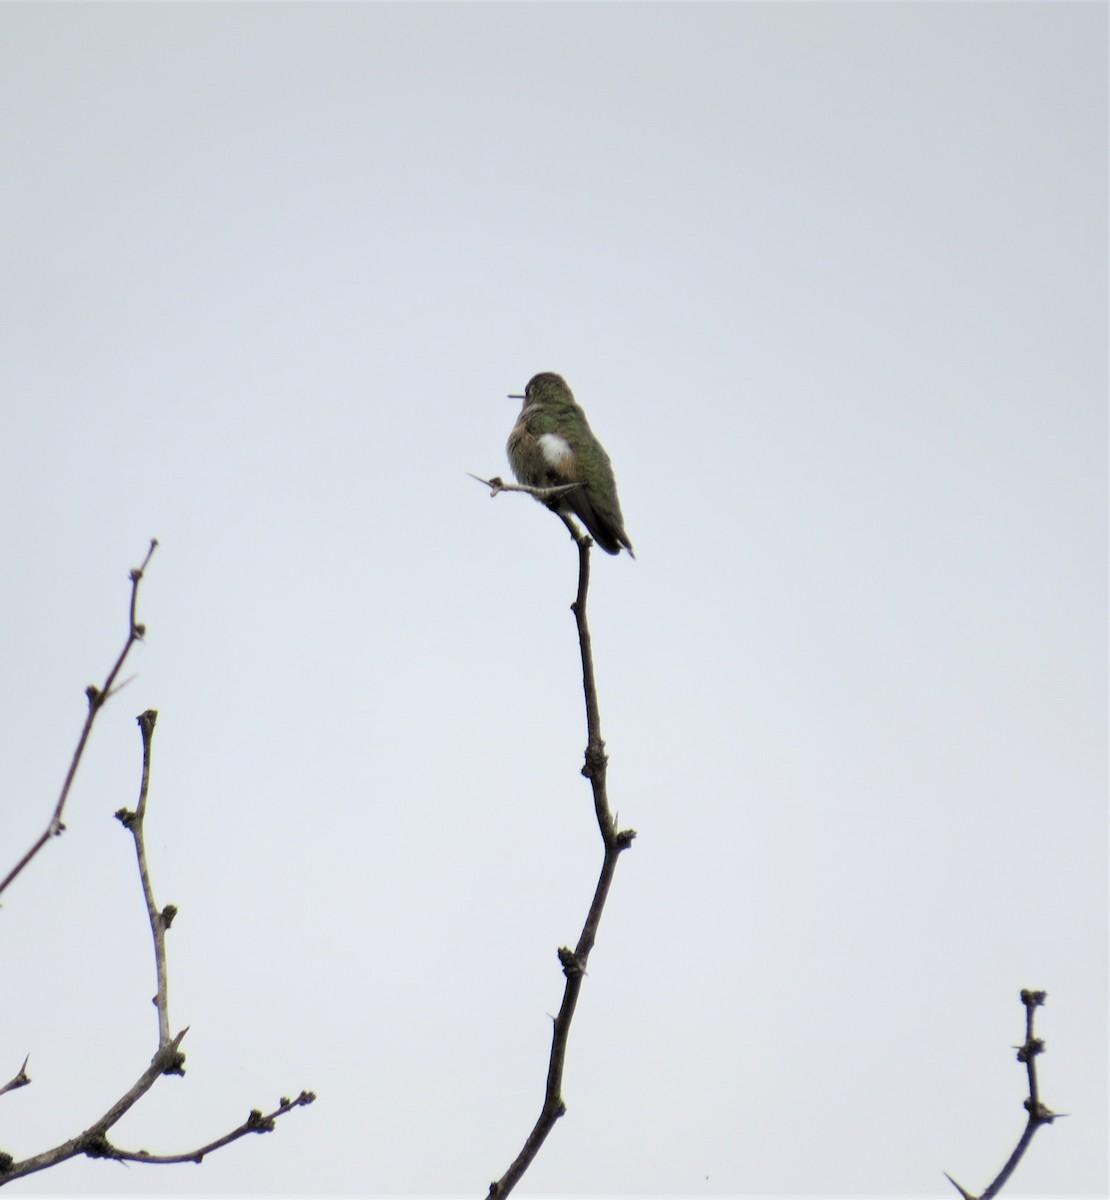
(551, 444)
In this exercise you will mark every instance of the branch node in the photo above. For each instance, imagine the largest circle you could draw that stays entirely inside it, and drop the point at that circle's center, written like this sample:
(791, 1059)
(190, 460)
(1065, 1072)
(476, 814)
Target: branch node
(168, 914)
(624, 838)
(1039, 1113)
(169, 1059)
(572, 965)
(96, 1145)
(257, 1123)
(95, 697)
(126, 817)
(176, 1064)
(596, 760)
(1031, 1049)
(1032, 999)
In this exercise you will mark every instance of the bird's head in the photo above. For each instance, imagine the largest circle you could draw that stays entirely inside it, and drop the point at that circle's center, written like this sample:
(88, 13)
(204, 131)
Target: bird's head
(545, 387)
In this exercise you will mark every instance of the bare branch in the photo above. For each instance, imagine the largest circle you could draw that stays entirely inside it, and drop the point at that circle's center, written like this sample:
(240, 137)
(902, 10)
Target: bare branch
(159, 921)
(168, 1059)
(614, 841)
(256, 1122)
(96, 698)
(1039, 1114)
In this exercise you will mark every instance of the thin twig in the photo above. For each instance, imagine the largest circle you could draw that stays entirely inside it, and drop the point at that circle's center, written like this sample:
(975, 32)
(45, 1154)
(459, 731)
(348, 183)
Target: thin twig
(256, 1122)
(1039, 1114)
(160, 921)
(574, 961)
(19, 1079)
(497, 485)
(96, 697)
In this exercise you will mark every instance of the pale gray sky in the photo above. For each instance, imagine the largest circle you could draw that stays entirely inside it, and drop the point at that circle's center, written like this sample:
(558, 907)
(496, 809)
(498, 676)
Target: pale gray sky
(830, 282)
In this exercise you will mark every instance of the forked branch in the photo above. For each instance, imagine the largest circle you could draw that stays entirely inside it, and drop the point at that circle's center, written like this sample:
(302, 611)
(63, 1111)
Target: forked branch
(168, 1058)
(96, 697)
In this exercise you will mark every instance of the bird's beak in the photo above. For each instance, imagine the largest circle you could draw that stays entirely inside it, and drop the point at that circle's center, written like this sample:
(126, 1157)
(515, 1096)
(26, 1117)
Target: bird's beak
(512, 397)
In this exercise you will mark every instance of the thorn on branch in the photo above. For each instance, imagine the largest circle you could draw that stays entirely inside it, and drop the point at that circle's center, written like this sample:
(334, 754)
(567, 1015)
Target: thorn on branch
(19, 1079)
(966, 1195)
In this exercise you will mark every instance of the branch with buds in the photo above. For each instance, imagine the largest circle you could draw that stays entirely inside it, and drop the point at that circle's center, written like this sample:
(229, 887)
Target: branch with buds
(1039, 1114)
(168, 1059)
(614, 841)
(96, 698)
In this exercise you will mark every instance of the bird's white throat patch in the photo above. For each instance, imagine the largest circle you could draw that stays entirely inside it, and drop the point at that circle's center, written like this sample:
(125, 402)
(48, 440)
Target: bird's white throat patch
(555, 449)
